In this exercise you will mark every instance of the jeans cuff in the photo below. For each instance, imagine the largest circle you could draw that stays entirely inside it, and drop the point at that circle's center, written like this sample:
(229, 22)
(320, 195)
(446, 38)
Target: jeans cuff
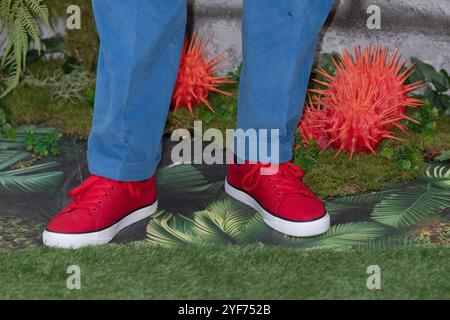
(120, 170)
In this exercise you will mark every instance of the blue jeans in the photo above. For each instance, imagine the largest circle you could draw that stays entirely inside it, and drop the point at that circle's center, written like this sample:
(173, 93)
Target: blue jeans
(141, 42)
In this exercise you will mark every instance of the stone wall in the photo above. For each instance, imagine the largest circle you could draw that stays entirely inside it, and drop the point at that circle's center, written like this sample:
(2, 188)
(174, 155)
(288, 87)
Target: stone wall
(417, 28)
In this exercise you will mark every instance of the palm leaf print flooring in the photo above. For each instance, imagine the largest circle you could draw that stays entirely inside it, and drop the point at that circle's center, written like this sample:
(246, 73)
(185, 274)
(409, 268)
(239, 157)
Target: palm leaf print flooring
(194, 209)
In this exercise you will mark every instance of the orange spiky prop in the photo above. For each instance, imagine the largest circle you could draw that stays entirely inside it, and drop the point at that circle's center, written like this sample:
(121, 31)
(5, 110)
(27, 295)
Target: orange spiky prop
(196, 77)
(362, 104)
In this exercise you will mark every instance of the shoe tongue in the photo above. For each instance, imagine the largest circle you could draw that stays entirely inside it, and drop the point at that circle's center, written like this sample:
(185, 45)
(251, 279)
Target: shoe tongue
(88, 183)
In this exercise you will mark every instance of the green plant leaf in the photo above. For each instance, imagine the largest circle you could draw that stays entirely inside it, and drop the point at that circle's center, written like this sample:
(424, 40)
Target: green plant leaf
(18, 18)
(426, 72)
(437, 100)
(410, 206)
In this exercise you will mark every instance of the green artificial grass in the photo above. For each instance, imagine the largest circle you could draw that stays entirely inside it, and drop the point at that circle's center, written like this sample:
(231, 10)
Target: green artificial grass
(141, 271)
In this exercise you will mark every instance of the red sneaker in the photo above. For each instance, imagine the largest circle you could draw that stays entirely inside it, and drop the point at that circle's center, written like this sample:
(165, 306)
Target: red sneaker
(99, 209)
(283, 200)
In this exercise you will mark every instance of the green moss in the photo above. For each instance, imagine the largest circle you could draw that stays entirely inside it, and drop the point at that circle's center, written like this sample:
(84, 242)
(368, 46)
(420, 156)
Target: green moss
(224, 116)
(339, 176)
(72, 119)
(31, 105)
(80, 44)
(329, 176)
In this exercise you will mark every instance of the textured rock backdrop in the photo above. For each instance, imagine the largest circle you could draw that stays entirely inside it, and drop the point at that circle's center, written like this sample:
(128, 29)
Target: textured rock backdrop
(418, 28)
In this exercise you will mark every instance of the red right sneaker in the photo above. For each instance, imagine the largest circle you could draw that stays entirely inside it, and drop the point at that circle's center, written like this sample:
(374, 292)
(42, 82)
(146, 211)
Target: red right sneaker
(99, 209)
(285, 203)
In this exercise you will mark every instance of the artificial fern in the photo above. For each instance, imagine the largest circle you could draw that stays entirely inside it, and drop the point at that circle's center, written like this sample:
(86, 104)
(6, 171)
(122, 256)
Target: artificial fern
(19, 19)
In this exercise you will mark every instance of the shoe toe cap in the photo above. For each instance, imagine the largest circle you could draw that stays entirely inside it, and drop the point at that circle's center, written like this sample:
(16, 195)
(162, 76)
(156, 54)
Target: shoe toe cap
(72, 222)
(303, 209)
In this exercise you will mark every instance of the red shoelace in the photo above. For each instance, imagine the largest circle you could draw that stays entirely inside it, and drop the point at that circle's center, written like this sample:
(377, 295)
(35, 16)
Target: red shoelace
(92, 192)
(287, 180)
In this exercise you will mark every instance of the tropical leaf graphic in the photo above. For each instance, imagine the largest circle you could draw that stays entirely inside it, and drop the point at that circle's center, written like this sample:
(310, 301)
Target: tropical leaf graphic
(439, 176)
(185, 178)
(8, 158)
(6, 144)
(22, 130)
(365, 198)
(334, 208)
(170, 230)
(222, 221)
(219, 223)
(340, 237)
(256, 230)
(31, 179)
(410, 206)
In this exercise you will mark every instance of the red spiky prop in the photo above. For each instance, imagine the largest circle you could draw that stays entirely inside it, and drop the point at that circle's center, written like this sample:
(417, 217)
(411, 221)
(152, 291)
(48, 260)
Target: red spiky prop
(196, 77)
(362, 104)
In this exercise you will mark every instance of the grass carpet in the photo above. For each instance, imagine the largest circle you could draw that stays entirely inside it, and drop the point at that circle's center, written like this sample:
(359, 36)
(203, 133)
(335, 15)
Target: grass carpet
(140, 271)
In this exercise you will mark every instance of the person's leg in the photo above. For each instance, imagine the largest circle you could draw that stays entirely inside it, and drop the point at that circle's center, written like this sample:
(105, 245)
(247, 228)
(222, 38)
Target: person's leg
(141, 43)
(279, 41)
(279, 44)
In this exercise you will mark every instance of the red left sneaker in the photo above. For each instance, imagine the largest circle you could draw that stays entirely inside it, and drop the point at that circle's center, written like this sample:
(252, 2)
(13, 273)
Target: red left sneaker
(285, 203)
(99, 209)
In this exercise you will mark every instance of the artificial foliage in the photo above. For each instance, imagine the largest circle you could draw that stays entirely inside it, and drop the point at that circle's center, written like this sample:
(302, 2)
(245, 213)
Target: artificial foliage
(6, 122)
(196, 76)
(362, 103)
(19, 20)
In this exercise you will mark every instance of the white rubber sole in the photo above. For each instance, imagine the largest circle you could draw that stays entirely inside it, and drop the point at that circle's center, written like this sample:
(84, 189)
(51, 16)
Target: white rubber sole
(291, 228)
(78, 240)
